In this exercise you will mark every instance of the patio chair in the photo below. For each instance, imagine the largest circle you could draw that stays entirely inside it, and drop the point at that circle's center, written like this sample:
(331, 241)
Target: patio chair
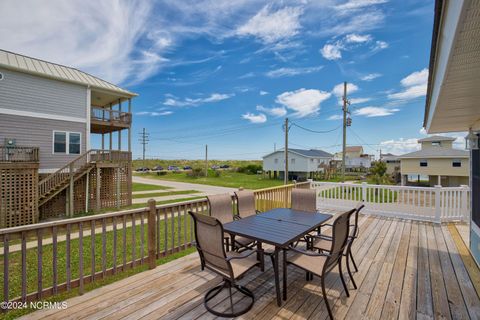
(245, 203)
(230, 266)
(304, 200)
(320, 264)
(324, 242)
(220, 207)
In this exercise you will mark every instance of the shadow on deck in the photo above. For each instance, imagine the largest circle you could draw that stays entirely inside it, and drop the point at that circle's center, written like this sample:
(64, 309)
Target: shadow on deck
(407, 270)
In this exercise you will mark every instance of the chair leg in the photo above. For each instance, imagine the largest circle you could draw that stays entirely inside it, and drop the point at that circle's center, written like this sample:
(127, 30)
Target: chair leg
(324, 292)
(341, 277)
(350, 272)
(231, 297)
(353, 261)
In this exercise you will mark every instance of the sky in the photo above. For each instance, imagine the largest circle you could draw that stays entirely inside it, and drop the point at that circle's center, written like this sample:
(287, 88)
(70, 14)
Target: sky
(227, 73)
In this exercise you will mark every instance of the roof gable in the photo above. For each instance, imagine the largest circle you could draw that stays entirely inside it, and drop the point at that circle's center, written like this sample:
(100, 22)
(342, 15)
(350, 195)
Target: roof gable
(312, 153)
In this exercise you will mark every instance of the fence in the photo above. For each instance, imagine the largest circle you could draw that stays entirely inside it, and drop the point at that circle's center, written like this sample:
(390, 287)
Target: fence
(18, 154)
(421, 203)
(44, 259)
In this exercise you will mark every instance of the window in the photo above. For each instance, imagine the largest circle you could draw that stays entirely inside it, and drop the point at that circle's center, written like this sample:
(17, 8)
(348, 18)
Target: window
(59, 142)
(62, 139)
(423, 163)
(74, 143)
(456, 163)
(436, 143)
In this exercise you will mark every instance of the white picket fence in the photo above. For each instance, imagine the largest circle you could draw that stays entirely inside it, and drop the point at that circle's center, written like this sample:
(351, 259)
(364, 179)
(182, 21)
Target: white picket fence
(438, 204)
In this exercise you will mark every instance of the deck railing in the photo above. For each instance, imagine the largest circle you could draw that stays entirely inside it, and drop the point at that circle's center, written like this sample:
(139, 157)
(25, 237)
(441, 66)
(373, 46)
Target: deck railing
(436, 204)
(109, 115)
(18, 154)
(44, 259)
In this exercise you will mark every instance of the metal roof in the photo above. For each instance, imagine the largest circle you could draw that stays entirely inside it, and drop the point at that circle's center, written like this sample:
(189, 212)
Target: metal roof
(436, 138)
(51, 70)
(438, 152)
(312, 153)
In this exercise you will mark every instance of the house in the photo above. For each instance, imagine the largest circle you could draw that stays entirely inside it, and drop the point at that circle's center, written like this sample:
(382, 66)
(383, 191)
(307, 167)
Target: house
(453, 90)
(438, 160)
(392, 161)
(301, 163)
(355, 158)
(49, 115)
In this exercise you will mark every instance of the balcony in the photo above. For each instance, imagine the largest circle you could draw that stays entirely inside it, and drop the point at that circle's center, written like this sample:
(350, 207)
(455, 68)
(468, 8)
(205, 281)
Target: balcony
(15, 154)
(107, 120)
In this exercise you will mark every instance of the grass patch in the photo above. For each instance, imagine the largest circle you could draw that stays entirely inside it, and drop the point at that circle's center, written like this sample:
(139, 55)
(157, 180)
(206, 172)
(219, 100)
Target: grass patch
(163, 194)
(352, 193)
(147, 187)
(227, 178)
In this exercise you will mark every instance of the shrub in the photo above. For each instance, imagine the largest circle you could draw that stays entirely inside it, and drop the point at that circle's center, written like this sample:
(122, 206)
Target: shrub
(196, 172)
(217, 173)
(250, 169)
(161, 173)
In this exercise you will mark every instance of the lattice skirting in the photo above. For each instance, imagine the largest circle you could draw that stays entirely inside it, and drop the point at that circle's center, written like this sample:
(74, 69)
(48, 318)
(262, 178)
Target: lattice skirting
(18, 195)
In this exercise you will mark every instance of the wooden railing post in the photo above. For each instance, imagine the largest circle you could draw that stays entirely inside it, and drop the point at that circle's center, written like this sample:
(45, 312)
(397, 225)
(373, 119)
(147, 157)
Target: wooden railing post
(151, 233)
(364, 191)
(464, 202)
(438, 209)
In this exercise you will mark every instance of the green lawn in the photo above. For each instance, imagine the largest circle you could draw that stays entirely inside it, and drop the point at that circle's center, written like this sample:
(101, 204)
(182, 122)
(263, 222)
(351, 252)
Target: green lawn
(227, 178)
(15, 258)
(147, 187)
(163, 194)
(373, 195)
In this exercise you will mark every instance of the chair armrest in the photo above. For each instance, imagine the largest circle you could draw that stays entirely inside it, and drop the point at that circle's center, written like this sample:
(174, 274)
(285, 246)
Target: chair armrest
(327, 224)
(243, 256)
(237, 217)
(258, 211)
(323, 237)
(308, 253)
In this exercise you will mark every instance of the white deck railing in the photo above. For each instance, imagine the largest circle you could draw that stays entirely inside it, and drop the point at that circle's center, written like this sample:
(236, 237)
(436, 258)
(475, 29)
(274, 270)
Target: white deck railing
(437, 204)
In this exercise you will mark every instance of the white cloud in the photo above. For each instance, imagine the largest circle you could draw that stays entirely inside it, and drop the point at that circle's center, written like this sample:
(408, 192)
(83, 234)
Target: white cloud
(422, 131)
(380, 45)
(303, 102)
(276, 111)
(287, 72)
(357, 38)
(271, 27)
(415, 85)
(154, 113)
(335, 117)
(214, 97)
(247, 75)
(332, 51)
(400, 146)
(370, 112)
(262, 93)
(358, 100)
(255, 118)
(370, 76)
(358, 4)
(338, 89)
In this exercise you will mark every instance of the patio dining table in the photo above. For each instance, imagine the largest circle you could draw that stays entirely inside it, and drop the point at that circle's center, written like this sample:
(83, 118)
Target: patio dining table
(277, 227)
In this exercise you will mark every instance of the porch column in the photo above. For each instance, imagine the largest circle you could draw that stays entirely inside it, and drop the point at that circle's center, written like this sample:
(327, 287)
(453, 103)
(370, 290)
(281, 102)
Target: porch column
(129, 128)
(404, 179)
(439, 180)
(120, 131)
(110, 133)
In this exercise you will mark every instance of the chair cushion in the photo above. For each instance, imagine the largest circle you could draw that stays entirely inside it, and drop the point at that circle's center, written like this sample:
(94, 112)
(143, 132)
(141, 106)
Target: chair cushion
(309, 263)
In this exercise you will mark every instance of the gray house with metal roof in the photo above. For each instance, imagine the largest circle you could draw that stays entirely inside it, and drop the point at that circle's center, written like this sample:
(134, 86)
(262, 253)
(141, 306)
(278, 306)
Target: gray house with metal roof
(301, 163)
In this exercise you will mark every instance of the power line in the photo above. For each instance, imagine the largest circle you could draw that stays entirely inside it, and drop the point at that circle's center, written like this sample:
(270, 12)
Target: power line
(315, 131)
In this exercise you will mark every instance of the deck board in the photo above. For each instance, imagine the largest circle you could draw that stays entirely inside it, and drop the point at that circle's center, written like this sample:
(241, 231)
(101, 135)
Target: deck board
(407, 270)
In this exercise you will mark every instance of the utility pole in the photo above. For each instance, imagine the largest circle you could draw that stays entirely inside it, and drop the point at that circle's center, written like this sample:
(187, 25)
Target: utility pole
(285, 178)
(345, 110)
(206, 160)
(144, 141)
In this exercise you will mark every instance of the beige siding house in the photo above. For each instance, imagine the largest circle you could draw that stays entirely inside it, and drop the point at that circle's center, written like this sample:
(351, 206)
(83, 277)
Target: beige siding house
(438, 160)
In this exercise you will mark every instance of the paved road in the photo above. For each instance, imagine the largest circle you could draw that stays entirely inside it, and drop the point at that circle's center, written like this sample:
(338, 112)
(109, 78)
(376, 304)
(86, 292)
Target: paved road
(202, 188)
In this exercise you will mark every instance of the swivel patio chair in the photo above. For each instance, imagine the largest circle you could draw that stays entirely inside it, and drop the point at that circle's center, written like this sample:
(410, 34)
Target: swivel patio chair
(304, 200)
(220, 207)
(245, 203)
(230, 266)
(320, 264)
(324, 242)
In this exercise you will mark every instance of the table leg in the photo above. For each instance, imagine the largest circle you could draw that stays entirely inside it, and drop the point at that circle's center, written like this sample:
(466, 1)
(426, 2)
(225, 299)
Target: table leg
(260, 256)
(284, 259)
(277, 276)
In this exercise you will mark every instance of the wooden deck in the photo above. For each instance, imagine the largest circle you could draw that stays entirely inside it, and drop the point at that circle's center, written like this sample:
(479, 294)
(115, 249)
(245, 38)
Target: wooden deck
(407, 270)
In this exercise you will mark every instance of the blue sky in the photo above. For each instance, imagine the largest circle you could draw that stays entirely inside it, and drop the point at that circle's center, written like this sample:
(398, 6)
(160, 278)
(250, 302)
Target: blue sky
(227, 73)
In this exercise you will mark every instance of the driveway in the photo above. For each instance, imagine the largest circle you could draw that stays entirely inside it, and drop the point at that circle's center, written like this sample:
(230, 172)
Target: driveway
(202, 188)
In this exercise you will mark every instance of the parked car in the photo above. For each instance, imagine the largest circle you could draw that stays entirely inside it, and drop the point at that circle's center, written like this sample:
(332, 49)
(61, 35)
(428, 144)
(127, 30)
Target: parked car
(157, 168)
(187, 168)
(173, 168)
(224, 166)
(215, 167)
(143, 169)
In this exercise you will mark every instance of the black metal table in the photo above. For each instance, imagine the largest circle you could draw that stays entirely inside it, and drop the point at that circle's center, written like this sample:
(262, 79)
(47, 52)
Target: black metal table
(278, 227)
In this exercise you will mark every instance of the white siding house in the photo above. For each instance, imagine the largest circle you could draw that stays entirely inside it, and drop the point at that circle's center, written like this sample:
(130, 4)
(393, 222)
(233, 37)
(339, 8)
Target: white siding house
(301, 163)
